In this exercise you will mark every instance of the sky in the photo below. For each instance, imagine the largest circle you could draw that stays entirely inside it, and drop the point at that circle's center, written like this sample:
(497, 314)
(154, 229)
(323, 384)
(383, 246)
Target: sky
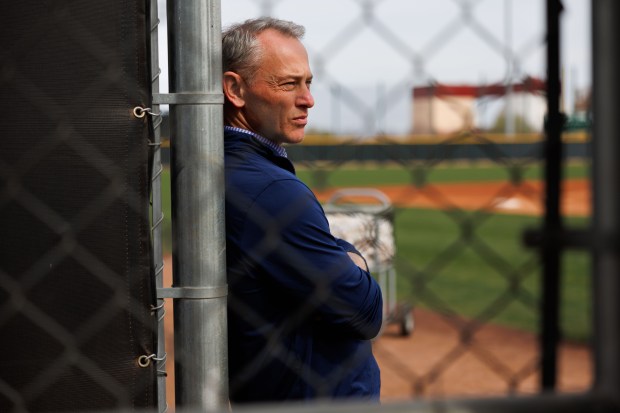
(367, 55)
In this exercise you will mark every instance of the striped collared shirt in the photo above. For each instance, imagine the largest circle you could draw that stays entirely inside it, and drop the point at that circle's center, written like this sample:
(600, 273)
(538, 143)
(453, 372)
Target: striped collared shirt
(269, 143)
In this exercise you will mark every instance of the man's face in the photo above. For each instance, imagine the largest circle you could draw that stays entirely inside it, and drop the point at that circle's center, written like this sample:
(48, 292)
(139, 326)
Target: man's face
(278, 97)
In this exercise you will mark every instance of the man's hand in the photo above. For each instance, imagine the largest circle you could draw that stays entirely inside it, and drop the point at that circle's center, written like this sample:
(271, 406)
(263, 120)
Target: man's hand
(358, 260)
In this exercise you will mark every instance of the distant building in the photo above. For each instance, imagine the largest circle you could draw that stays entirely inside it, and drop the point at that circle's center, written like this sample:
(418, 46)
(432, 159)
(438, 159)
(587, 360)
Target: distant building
(579, 119)
(443, 109)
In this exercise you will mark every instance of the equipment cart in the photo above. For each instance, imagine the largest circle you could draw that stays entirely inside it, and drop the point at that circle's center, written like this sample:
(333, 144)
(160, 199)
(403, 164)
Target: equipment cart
(365, 218)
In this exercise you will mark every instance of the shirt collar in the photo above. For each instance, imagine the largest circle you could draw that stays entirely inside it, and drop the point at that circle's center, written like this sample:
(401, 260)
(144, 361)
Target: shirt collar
(267, 142)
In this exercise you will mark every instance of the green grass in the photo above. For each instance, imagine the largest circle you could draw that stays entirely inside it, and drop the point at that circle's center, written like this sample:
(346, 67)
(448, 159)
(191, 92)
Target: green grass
(476, 266)
(398, 175)
(439, 267)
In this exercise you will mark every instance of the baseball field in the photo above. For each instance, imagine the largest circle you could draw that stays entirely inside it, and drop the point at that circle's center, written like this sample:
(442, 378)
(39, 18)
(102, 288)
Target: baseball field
(462, 264)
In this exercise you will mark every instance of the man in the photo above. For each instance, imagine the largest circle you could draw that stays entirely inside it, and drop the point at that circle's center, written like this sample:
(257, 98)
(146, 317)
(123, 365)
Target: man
(302, 305)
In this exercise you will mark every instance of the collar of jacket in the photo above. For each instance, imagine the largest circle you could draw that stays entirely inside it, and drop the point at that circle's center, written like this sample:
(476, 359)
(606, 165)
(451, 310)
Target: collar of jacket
(239, 141)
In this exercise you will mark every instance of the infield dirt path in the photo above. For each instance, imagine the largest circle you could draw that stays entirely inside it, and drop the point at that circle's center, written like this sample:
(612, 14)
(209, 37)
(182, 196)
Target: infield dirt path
(497, 197)
(413, 367)
(433, 362)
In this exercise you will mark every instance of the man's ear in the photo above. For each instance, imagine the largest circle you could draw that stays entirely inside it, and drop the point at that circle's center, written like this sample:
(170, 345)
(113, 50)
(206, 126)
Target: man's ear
(233, 87)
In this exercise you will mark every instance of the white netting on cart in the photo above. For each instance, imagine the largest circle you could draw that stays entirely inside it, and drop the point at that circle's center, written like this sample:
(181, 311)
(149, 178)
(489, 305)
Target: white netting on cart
(372, 235)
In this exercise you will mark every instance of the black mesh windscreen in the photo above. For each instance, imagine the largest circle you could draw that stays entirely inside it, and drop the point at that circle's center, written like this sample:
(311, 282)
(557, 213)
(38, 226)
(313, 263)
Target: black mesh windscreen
(75, 285)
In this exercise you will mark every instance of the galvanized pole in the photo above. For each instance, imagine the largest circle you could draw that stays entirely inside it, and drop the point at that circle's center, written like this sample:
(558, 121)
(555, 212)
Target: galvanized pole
(606, 185)
(197, 180)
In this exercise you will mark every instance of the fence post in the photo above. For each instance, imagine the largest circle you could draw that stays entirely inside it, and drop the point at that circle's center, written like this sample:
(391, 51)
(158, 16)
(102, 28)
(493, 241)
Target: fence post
(551, 250)
(197, 180)
(606, 184)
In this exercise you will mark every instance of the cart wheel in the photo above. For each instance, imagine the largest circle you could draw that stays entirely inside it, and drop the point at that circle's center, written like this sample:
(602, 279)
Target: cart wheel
(407, 323)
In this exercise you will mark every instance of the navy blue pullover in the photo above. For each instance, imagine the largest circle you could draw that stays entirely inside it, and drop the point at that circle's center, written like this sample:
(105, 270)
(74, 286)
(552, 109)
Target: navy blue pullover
(301, 314)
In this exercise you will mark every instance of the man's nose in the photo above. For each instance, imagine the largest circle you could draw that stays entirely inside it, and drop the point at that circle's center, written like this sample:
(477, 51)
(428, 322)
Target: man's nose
(306, 99)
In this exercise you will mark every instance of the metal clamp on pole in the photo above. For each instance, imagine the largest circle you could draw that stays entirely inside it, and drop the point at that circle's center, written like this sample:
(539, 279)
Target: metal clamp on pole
(194, 293)
(188, 98)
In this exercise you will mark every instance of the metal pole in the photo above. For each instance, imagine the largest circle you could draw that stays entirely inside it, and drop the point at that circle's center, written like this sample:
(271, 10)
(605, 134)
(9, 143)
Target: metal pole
(156, 211)
(551, 249)
(197, 179)
(606, 184)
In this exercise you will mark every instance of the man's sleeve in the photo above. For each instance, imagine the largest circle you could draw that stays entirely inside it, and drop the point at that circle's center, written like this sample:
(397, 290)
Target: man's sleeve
(287, 235)
(347, 246)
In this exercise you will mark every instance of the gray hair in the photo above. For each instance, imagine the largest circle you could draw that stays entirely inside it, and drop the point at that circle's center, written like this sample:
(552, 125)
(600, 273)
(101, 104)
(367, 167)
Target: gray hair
(241, 51)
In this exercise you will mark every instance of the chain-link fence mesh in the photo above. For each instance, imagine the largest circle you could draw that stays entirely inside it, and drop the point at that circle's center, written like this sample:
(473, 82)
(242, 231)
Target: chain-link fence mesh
(418, 102)
(441, 107)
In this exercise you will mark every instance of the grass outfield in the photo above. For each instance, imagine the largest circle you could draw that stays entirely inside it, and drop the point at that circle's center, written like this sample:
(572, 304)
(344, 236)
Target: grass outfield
(491, 276)
(398, 175)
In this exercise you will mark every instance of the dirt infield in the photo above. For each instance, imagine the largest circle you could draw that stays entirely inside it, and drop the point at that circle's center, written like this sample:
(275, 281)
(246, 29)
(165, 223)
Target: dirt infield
(496, 197)
(433, 361)
(497, 361)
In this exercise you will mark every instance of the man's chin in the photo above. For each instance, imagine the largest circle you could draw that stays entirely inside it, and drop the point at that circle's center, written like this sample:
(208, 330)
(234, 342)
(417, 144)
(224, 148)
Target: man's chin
(292, 140)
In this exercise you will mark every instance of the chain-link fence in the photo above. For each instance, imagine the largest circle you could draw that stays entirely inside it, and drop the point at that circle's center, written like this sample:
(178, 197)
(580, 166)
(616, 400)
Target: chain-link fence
(439, 108)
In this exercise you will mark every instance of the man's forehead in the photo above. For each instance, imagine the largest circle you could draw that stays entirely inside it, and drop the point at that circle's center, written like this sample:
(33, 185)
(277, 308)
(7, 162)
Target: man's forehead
(284, 56)
(273, 40)
(286, 71)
